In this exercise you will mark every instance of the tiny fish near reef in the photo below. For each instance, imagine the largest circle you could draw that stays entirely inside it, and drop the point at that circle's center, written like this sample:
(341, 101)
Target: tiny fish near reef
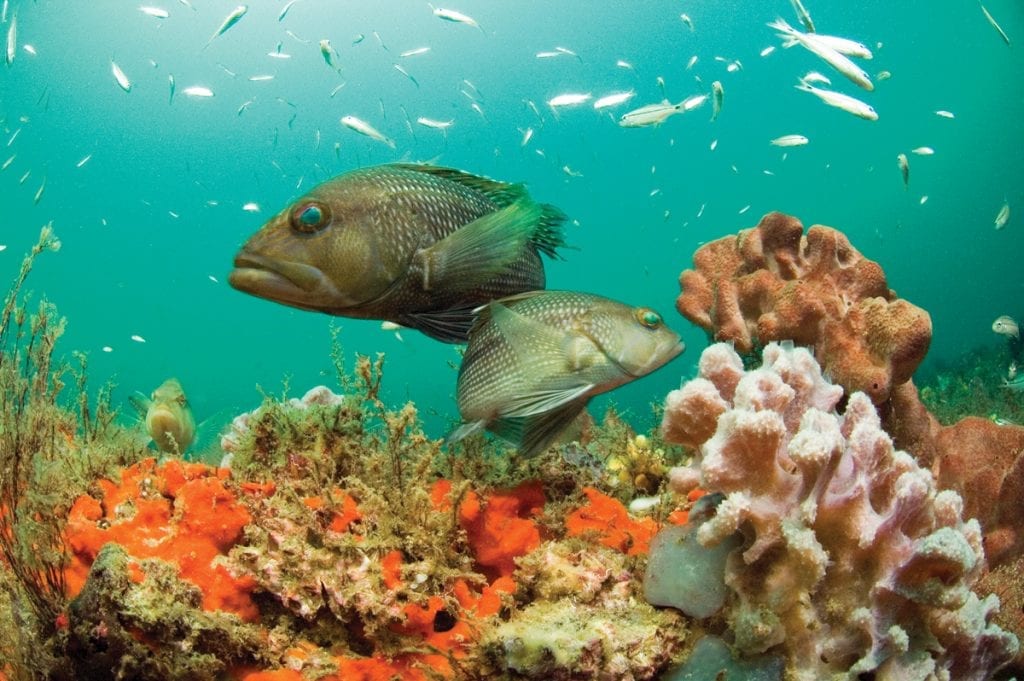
(534, 360)
(418, 245)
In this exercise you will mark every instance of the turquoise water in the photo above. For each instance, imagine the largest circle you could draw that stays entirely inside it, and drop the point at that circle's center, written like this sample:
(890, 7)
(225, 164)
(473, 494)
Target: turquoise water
(151, 222)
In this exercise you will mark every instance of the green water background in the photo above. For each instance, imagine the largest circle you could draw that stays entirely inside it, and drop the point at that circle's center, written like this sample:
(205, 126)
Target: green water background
(128, 266)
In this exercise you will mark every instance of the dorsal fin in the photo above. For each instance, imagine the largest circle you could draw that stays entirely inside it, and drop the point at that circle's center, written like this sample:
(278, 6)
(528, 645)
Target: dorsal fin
(502, 193)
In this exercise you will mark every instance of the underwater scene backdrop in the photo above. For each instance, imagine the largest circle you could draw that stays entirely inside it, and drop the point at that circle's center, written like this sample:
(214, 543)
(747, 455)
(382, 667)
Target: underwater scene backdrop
(748, 511)
(151, 190)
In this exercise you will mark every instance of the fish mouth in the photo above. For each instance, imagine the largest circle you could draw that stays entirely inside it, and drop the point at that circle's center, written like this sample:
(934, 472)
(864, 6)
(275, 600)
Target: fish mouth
(291, 283)
(662, 355)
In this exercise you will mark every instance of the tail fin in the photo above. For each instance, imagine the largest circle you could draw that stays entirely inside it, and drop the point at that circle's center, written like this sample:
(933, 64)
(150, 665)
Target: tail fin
(781, 24)
(548, 235)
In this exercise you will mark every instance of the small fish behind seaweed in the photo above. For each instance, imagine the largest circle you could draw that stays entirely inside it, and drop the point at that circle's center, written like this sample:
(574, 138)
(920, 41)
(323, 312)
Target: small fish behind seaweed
(167, 417)
(419, 245)
(535, 359)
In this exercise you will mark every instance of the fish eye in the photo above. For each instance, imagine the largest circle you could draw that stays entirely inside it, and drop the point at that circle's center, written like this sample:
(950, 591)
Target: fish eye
(310, 218)
(647, 317)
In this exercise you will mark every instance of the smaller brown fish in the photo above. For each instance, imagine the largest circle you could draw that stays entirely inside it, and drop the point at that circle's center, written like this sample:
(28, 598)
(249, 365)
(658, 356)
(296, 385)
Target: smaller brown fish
(535, 359)
(1006, 326)
(167, 416)
(417, 245)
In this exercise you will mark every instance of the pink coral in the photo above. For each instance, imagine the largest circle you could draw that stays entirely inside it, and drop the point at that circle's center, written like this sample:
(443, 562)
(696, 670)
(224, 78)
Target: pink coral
(853, 561)
(771, 283)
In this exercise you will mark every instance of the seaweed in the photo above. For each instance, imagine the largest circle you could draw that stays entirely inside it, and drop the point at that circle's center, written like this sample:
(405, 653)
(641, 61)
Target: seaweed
(49, 453)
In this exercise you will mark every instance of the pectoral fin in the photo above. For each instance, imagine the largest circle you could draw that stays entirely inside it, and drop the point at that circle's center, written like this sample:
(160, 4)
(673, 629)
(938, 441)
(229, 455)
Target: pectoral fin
(140, 403)
(447, 326)
(476, 253)
(533, 434)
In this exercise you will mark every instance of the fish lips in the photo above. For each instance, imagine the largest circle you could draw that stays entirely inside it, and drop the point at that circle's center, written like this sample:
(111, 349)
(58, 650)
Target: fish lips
(662, 355)
(283, 281)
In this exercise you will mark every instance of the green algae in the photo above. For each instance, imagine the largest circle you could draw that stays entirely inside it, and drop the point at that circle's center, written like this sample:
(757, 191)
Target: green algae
(54, 442)
(972, 385)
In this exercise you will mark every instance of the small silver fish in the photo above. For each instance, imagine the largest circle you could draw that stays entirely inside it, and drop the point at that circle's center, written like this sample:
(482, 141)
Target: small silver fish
(364, 128)
(718, 98)
(613, 99)
(401, 69)
(803, 15)
(200, 91)
(1016, 384)
(284, 10)
(328, 53)
(12, 40)
(1003, 216)
(835, 59)
(156, 12)
(535, 359)
(435, 124)
(650, 114)
(1006, 326)
(904, 165)
(120, 77)
(995, 25)
(841, 101)
(455, 17)
(568, 99)
(415, 52)
(229, 21)
(790, 141)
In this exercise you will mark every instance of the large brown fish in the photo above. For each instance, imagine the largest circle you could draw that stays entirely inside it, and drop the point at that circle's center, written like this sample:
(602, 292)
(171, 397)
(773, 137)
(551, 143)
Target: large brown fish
(418, 245)
(535, 359)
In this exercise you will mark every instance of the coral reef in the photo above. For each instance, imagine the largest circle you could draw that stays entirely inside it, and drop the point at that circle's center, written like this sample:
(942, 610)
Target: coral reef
(984, 463)
(771, 283)
(343, 544)
(852, 561)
